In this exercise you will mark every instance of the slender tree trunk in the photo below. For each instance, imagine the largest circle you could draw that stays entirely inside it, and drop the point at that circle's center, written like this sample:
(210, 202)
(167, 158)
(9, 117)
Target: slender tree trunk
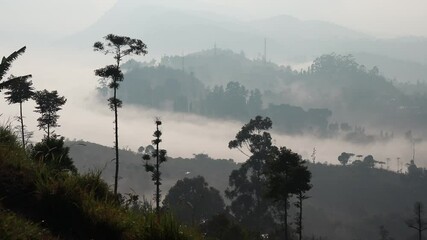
(258, 201)
(420, 224)
(116, 126)
(22, 125)
(116, 133)
(286, 218)
(300, 198)
(157, 178)
(48, 132)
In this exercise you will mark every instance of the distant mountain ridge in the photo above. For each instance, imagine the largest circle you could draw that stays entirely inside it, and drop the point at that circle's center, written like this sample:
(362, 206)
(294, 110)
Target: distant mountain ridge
(171, 31)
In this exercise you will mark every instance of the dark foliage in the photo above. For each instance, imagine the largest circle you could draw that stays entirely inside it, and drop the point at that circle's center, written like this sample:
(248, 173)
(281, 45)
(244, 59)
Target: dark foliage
(6, 63)
(247, 184)
(160, 157)
(52, 152)
(44, 203)
(19, 90)
(222, 227)
(287, 175)
(48, 104)
(193, 201)
(344, 158)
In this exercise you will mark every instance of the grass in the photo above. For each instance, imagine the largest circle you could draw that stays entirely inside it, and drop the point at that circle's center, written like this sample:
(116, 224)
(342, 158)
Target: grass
(16, 227)
(70, 206)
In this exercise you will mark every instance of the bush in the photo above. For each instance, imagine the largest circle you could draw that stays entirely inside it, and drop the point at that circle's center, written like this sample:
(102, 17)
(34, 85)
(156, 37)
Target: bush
(52, 152)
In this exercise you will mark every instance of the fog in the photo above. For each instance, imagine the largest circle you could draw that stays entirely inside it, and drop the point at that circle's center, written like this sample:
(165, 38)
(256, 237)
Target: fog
(379, 17)
(85, 117)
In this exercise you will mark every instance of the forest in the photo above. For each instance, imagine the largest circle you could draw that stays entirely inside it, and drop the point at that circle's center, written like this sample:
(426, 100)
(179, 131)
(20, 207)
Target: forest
(221, 84)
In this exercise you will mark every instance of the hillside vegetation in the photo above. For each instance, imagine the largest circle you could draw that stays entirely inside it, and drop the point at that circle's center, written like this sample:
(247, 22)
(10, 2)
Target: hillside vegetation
(39, 202)
(346, 202)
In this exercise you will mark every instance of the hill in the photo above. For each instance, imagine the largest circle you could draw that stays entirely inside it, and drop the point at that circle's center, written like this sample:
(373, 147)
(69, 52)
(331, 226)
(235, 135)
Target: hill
(88, 156)
(288, 39)
(398, 70)
(39, 202)
(346, 202)
(334, 89)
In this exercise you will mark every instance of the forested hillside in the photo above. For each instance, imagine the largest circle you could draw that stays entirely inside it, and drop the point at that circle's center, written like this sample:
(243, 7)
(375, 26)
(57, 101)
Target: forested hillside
(346, 202)
(335, 90)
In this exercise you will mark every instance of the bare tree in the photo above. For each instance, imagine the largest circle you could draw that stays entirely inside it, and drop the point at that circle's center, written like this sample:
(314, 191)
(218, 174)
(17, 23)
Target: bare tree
(417, 222)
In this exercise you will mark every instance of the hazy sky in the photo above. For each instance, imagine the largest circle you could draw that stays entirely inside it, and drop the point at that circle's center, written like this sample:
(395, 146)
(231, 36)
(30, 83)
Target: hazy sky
(378, 17)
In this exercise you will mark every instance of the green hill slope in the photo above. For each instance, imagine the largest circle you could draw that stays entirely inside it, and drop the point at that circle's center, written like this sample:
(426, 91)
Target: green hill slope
(38, 202)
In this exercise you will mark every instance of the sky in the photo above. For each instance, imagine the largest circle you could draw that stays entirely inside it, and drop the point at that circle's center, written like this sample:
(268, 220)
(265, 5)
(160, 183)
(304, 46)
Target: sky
(382, 18)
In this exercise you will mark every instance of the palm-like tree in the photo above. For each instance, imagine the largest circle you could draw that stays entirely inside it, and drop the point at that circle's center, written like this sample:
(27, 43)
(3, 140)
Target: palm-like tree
(6, 63)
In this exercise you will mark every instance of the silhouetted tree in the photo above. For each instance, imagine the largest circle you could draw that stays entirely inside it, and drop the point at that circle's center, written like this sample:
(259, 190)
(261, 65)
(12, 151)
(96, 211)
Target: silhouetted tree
(302, 178)
(54, 154)
(414, 172)
(247, 184)
(6, 63)
(287, 175)
(369, 161)
(192, 200)
(120, 47)
(418, 222)
(48, 104)
(19, 91)
(344, 158)
(160, 156)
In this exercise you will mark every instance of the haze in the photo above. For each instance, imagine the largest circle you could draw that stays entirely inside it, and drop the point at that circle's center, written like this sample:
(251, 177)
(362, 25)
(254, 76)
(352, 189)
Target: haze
(378, 17)
(71, 72)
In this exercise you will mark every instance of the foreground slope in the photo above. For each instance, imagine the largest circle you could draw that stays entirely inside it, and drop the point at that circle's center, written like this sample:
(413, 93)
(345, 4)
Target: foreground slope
(48, 204)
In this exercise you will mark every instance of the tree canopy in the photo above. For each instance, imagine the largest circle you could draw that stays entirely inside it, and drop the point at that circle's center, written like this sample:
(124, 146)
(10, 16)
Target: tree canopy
(193, 200)
(48, 104)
